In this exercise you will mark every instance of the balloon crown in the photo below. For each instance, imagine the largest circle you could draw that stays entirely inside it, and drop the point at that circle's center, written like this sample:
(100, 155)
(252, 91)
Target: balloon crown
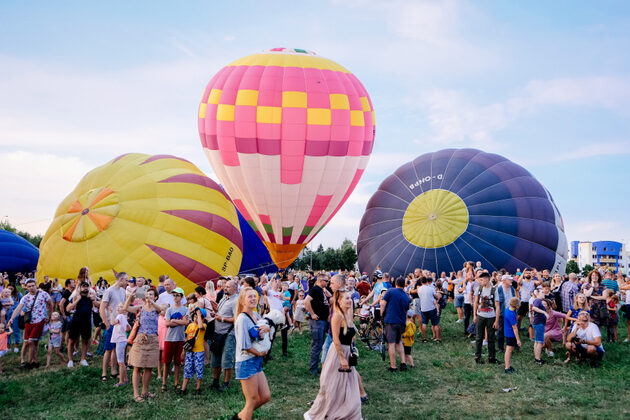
(283, 50)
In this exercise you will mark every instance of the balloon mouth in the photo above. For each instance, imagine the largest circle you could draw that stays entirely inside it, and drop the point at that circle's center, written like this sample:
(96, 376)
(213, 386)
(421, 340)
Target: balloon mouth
(90, 214)
(435, 218)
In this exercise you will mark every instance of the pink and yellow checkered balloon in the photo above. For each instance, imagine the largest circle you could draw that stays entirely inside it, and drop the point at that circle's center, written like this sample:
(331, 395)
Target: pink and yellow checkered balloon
(289, 135)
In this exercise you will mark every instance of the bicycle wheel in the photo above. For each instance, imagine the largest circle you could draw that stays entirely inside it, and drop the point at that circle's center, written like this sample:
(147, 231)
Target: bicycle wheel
(375, 337)
(383, 347)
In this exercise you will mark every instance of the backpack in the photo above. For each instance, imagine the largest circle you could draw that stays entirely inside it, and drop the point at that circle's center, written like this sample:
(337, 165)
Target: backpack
(442, 302)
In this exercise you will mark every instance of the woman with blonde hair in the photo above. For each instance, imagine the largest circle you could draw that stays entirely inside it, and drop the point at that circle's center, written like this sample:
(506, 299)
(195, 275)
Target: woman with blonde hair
(339, 395)
(249, 360)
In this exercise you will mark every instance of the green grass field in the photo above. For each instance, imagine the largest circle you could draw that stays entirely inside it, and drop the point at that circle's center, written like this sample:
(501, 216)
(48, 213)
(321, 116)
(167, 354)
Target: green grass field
(446, 383)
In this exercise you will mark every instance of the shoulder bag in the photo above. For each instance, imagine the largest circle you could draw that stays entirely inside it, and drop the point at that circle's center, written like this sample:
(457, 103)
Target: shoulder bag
(28, 315)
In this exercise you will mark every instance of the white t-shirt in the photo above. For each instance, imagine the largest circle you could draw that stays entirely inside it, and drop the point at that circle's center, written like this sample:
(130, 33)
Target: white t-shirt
(457, 283)
(166, 298)
(427, 297)
(274, 299)
(114, 296)
(591, 332)
(468, 292)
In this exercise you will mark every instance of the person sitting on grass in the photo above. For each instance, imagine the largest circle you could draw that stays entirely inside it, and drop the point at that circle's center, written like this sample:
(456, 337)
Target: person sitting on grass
(585, 340)
(510, 331)
(195, 358)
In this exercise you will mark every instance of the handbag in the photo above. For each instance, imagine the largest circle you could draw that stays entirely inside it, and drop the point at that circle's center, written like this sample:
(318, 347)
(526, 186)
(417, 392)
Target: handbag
(190, 343)
(28, 315)
(133, 332)
(353, 360)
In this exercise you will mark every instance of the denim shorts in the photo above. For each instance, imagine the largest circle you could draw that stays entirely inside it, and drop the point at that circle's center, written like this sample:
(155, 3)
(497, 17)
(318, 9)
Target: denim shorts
(539, 330)
(248, 368)
(109, 346)
(432, 316)
(459, 301)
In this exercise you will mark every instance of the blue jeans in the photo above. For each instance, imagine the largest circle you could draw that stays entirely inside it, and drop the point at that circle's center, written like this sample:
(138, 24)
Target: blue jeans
(325, 348)
(318, 331)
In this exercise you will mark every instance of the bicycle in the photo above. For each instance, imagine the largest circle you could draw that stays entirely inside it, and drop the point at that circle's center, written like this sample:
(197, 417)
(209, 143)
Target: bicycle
(372, 334)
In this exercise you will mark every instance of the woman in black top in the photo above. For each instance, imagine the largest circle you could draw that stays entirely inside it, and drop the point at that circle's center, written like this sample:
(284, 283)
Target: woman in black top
(339, 395)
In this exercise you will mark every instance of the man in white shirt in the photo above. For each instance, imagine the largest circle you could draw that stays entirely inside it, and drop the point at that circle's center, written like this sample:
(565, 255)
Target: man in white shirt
(585, 339)
(428, 299)
(112, 297)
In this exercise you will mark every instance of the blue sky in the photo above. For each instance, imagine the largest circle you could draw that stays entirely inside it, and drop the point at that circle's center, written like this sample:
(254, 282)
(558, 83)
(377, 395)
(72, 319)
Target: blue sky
(546, 84)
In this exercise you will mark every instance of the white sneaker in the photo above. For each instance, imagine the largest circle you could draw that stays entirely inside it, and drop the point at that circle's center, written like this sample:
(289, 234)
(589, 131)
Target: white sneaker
(485, 342)
(16, 350)
(550, 353)
(70, 364)
(627, 340)
(459, 320)
(83, 362)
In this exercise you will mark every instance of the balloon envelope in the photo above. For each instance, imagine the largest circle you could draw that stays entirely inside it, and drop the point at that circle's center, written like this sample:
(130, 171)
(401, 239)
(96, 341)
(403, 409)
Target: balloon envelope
(457, 205)
(288, 134)
(147, 216)
(16, 253)
(256, 258)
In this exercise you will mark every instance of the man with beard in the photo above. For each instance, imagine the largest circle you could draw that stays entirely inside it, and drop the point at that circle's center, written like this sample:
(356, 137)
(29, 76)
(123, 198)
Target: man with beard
(81, 324)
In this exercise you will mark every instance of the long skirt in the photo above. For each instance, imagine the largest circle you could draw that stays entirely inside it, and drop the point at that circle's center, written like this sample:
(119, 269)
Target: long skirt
(339, 397)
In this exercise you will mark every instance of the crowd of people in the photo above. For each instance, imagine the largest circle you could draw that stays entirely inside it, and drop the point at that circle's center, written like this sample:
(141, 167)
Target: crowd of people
(230, 324)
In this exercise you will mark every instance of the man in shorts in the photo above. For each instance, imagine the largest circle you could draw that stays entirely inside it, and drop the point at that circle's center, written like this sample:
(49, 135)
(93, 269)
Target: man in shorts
(176, 319)
(40, 306)
(81, 322)
(526, 286)
(112, 297)
(394, 306)
(224, 324)
(428, 299)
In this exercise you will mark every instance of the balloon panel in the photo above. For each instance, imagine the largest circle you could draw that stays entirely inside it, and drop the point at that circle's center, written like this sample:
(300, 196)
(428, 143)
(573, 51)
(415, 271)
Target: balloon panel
(456, 205)
(16, 253)
(147, 216)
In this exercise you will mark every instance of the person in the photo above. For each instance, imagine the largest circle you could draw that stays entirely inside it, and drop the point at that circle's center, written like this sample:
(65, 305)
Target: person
(363, 287)
(337, 282)
(176, 319)
(394, 306)
(223, 353)
(15, 336)
(248, 359)
(165, 301)
(504, 292)
(40, 306)
(81, 325)
(317, 305)
(553, 332)
(4, 341)
(485, 317)
(195, 357)
(113, 296)
(119, 337)
(594, 291)
(625, 288)
(610, 283)
(204, 302)
(428, 298)
(526, 288)
(339, 394)
(408, 338)
(585, 340)
(300, 311)
(63, 304)
(468, 301)
(145, 350)
(55, 293)
(54, 343)
(538, 323)
(612, 300)
(459, 288)
(568, 291)
(510, 330)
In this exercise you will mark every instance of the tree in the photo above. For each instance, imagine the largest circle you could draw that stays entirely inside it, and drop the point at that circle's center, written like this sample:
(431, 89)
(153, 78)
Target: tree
(572, 267)
(34, 239)
(587, 269)
(348, 257)
(330, 259)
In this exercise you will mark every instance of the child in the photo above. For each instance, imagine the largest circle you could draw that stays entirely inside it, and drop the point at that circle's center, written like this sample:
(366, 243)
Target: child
(300, 311)
(612, 300)
(54, 343)
(286, 306)
(195, 358)
(538, 322)
(7, 303)
(408, 338)
(4, 337)
(119, 337)
(510, 331)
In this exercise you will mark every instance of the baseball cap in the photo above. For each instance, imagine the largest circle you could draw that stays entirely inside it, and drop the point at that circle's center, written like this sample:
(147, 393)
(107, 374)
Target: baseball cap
(203, 313)
(178, 290)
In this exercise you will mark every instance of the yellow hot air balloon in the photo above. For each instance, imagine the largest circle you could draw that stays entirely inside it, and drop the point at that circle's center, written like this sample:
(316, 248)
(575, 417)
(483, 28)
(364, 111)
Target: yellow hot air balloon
(147, 216)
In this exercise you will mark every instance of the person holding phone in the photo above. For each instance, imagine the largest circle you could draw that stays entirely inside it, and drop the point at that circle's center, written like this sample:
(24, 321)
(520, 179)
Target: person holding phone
(339, 394)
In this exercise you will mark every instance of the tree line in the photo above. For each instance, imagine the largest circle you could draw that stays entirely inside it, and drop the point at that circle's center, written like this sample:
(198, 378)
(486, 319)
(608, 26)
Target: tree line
(342, 258)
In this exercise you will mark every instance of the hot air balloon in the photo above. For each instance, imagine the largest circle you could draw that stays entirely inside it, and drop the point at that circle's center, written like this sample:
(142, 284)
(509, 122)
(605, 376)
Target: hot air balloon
(256, 258)
(458, 205)
(288, 134)
(16, 253)
(147, 216)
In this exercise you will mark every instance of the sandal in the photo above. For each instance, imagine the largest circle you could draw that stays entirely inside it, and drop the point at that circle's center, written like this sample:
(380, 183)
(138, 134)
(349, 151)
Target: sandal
(138, 399)
(104, 378)
(148, 395)
(163, 388)
(114, 376)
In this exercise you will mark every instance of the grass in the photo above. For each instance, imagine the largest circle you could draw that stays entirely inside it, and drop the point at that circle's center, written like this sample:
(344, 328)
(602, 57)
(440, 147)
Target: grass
(446, 383)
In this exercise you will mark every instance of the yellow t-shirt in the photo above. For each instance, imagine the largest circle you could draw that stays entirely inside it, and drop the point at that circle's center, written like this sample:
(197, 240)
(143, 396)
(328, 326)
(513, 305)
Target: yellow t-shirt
(190, 333)
(408, 336)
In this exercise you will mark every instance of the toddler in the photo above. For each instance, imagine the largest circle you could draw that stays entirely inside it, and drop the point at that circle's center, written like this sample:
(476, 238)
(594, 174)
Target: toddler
(54, 342)
(119, 337)
(408, 338)
(612, 301)
(4, 337)
(300, 311)
(286, 305)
